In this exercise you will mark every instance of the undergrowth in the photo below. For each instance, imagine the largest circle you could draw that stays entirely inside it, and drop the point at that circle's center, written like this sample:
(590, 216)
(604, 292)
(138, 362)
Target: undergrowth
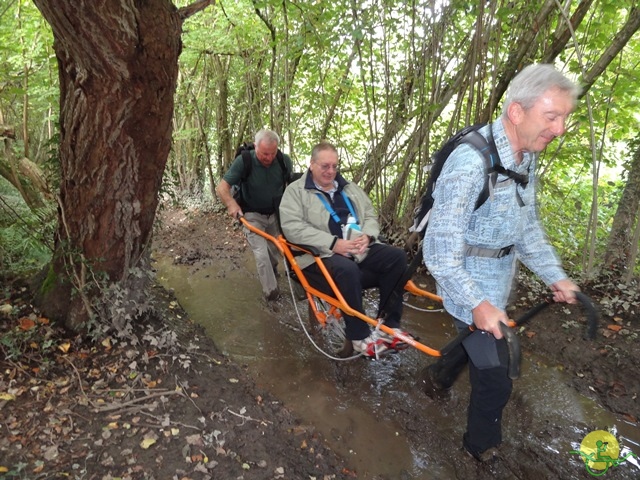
(25, 236)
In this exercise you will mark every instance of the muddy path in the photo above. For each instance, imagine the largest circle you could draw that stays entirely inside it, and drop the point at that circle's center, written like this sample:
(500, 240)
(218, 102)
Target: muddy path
(374, 414)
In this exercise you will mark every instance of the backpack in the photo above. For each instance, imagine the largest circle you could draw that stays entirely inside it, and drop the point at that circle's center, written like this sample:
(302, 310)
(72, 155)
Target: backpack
(492, 165)
(245, 150)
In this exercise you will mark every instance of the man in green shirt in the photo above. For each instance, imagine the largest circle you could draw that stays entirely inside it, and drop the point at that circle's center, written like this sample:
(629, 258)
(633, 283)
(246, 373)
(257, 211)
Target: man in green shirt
(266, 180)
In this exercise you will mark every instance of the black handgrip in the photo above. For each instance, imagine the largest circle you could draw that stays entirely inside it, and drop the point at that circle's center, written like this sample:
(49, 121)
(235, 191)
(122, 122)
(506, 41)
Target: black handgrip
(515, 354)
(592, 314)
(587, 305)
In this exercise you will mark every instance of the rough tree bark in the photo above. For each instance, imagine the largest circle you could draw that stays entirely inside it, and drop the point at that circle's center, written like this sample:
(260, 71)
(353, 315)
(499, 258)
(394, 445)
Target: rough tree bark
(618, 257)
(118, 67)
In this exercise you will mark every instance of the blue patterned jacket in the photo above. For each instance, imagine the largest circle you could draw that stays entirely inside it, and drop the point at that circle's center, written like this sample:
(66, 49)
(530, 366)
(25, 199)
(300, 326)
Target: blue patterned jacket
(465, 281)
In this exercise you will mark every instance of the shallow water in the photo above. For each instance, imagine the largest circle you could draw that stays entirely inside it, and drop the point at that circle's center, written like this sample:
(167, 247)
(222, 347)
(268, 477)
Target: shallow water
(345, 401)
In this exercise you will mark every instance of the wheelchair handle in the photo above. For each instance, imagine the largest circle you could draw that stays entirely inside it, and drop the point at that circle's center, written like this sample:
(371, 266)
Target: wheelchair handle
(589, 309)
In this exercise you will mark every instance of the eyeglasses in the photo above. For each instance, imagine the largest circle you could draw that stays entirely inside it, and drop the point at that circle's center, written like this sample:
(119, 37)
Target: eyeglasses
(325, 167)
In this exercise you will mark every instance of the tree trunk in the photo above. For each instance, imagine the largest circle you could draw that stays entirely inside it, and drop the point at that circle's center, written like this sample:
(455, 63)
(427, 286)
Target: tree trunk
(118, 66)
(619, 256)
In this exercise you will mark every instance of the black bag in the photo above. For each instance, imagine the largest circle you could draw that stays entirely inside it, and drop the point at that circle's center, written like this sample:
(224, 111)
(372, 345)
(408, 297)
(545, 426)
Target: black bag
(493, 167)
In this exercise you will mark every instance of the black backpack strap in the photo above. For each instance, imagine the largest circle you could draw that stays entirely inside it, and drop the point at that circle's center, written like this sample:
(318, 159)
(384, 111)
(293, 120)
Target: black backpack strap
(286, 175)
(493, 166)
(246, 158)
(491, 159)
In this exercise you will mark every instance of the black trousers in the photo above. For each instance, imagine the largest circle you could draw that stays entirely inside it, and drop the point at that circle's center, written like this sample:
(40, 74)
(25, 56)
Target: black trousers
(490, 391)
(383, 267)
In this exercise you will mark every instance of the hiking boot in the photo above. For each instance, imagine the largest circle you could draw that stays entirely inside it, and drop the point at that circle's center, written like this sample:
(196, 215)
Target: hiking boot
(372, 346)
(488, 457)
(394, 342)
(431, 386)
(274, 295)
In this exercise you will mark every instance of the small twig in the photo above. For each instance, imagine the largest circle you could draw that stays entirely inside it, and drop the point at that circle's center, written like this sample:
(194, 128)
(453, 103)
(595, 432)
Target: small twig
(244, 417)
(79, 380)
(109, 408)
(128, 390)
(188, 396)
(171, 422)
(136, 409)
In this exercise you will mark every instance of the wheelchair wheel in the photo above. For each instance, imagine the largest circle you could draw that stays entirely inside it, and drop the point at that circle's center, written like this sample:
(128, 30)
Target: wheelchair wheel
(331, 335)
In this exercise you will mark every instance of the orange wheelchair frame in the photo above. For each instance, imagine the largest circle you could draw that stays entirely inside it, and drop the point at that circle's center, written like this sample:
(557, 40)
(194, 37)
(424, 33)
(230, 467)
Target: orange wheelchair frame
(337, 302)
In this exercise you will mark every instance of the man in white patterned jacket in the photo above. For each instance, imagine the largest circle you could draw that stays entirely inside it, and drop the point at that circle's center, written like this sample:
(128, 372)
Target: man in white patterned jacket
(472, 253)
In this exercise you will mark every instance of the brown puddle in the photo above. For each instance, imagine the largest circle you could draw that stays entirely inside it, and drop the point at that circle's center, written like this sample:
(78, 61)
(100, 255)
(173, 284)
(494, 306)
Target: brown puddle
(372, 412)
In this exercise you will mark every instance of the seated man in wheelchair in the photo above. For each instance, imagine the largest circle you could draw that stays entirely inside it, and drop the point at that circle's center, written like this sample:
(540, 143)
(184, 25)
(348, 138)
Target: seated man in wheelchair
(336, 217)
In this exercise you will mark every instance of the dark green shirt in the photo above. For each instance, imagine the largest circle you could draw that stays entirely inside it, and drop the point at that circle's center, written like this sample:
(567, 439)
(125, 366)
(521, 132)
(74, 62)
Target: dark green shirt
(262, 185)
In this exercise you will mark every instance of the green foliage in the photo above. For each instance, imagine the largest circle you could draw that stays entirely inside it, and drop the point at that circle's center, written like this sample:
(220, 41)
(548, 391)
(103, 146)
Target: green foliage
(358, 74)
(568, 195)
(29, 73)
(23, 249)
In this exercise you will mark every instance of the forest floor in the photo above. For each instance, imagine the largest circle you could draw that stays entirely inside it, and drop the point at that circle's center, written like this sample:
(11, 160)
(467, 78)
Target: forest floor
(171, 406)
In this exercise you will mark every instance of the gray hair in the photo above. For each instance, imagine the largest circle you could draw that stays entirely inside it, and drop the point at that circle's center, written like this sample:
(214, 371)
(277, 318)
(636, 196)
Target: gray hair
(533, 81)
(268, 136)
(321, 147)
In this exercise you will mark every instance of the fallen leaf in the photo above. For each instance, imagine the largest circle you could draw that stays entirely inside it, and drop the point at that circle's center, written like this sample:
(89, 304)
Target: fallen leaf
(51, 452)
(615, 328)
(26, 323)
(7, 396)
(43, 321)
(617, 319)
(147, 442)
(233, 380)
(64, 347)
(3, 469)
(530, 334)
(200, 468)
(106, 343)
(195, 439)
